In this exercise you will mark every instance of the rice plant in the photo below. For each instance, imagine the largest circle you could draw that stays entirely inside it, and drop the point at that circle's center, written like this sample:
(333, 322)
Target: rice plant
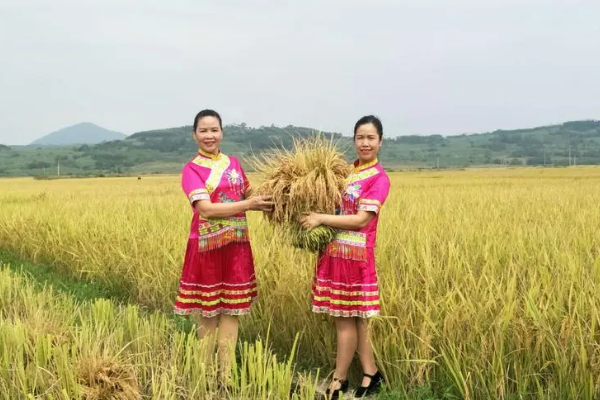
(54, 348)
(488, 278)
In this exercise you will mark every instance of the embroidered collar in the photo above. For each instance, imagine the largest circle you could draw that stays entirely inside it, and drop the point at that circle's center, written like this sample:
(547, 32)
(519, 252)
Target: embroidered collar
(358, 168)
(209, 155)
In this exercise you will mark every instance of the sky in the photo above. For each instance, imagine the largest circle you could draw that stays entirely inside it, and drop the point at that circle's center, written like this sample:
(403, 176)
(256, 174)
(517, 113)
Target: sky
(423, 66)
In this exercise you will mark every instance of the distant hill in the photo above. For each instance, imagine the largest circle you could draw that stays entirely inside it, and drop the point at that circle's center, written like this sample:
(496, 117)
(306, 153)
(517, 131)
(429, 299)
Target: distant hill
(166, 150)
(83, 133)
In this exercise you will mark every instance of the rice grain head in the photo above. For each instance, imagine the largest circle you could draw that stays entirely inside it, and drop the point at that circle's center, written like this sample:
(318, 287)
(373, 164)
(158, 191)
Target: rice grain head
(309, 177)
(104, 377)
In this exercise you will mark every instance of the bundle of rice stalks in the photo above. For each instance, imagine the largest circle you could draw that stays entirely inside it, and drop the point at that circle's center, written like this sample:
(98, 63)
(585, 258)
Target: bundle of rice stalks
(309, 177)
(105, 378)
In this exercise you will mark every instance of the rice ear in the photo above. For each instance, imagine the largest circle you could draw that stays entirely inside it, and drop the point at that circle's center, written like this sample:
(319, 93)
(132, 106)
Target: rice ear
(308, 177)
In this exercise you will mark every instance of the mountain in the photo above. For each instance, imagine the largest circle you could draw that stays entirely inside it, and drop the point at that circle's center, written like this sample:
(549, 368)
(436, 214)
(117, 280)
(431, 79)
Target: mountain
(83, 133)
(166, 150)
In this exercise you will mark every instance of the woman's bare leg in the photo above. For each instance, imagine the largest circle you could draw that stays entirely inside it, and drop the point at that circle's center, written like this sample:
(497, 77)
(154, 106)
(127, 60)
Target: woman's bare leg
(347, 337)
(228, 334)
(365, 350)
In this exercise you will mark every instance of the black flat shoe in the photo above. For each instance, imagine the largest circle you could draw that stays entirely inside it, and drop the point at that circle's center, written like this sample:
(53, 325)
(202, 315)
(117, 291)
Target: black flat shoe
(337, 393)
(374, 386)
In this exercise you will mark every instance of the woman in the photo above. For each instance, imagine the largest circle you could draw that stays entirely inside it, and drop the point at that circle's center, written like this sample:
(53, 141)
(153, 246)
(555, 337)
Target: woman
(345, 285)
(217, 283)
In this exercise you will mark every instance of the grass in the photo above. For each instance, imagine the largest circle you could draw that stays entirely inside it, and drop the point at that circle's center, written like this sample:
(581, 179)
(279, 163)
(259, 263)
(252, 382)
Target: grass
(488, 277)
(45, 275)
(53, 347)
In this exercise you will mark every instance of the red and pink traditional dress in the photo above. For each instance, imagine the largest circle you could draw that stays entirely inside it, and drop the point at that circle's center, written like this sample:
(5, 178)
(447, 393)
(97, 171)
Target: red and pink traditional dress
(218, 271)
(345, 284)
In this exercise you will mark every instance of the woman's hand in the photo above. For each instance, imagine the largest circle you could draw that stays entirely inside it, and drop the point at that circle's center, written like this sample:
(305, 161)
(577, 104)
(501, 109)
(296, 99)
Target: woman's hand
(310, 220)
(260, 203)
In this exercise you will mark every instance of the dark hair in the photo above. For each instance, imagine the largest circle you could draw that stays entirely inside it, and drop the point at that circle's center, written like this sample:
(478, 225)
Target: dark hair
(370, 119)
(207, 113)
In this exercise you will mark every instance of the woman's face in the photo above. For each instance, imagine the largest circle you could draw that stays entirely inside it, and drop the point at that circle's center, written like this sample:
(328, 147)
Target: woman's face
(208, 135)
(366, 143)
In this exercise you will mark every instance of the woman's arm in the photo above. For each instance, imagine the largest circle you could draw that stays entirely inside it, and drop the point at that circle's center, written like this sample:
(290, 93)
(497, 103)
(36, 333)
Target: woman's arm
(345, 222)
(209, 210)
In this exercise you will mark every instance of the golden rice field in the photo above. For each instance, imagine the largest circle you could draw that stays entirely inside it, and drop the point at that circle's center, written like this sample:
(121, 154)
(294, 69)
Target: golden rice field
(54, 348)
(489, 284)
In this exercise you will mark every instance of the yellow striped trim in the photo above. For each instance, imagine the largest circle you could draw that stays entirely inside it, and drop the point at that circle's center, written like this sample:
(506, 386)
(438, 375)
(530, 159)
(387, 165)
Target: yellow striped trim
(346, 302)
(198, 191)
(214, 302)
(210, 155)
(217, 164)
(370, 201)
(367, 207)
(352, 238)
(216, 293)
(367, 173)
(365, 166)
(198, 194)
(203, 162)
(346, 293)
(216, 173)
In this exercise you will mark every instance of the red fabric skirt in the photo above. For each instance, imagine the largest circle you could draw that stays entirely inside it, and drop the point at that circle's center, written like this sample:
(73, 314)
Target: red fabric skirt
(219, 281)
(345, 287)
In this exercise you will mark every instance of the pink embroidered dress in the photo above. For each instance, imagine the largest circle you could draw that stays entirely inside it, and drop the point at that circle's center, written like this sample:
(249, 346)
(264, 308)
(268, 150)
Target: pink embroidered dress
(346, 284)
(218, 271)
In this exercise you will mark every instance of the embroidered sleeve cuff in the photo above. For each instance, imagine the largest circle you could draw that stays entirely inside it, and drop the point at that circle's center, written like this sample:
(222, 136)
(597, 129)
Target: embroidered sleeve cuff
(369, 205)
(198, 194)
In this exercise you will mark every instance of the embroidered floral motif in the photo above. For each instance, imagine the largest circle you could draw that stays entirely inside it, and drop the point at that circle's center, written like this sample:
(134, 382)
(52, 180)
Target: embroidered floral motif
(223, 198)
(234, 177)
(235, 181)
(352, 192)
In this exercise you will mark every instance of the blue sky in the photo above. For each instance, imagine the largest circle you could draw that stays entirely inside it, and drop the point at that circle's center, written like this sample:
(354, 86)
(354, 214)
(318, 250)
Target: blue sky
(423, 66)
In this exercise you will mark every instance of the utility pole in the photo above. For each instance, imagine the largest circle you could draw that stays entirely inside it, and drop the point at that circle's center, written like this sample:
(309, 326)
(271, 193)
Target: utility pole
(438, 163)
(569, 156)
(58, 168)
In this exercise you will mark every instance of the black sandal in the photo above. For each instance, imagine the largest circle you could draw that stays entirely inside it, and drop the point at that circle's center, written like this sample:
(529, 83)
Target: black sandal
(374, 386)
(335, 394)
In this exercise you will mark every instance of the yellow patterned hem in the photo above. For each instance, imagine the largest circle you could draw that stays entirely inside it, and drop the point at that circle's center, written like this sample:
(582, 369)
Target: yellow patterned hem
(213, 302)
(357, 293)
(216, 293)
(346, 314)
(346, 302)
(212, 313)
